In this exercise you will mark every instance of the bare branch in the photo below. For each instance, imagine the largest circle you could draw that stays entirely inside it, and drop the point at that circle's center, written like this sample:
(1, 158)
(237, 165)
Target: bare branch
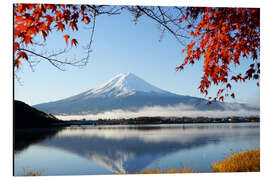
(49, 59)
(150, 13)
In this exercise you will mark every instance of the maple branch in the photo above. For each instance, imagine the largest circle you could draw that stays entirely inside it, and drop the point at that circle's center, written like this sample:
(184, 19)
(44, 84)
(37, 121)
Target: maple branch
(51, 60)
(85, 59)
(57, 54)
(30, 64)
(148, 12)
(99, 10)
(190, 23)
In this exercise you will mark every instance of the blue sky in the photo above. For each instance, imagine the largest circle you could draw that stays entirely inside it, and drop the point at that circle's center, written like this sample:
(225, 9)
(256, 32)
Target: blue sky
(121, 46)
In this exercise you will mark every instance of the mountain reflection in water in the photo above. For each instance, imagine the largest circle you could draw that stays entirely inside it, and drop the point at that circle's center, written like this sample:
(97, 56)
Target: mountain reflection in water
(122, 149)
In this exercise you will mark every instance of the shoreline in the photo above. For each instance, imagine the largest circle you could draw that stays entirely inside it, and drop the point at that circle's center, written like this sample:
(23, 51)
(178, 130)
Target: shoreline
(81, 124)
(162, 120)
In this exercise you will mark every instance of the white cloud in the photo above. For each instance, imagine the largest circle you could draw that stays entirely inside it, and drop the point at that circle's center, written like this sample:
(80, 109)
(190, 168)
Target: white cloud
(168, 111)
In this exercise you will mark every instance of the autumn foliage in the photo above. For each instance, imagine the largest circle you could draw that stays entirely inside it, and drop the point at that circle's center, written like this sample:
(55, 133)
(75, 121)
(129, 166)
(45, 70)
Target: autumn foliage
(31, 20)
(222, 36)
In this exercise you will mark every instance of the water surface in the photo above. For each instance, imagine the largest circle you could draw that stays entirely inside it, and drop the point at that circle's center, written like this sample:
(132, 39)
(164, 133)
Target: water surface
(85, 150)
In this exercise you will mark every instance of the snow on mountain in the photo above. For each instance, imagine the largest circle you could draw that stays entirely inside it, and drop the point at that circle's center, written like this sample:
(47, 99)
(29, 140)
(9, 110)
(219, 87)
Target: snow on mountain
(122, 85)
(128, 92)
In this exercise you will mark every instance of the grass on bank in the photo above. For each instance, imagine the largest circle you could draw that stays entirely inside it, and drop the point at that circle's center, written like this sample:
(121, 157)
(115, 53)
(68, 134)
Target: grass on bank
(243, 161)
(29, 172)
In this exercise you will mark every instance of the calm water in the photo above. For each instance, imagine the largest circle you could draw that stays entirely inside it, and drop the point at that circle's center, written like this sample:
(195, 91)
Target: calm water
(120, 149)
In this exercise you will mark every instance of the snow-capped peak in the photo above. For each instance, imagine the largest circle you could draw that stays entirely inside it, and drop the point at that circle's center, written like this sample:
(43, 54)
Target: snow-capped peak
(124, 84)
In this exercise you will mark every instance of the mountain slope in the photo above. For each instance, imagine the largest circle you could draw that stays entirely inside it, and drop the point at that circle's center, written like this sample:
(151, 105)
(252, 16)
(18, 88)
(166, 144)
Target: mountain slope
(27, 117)
(127, 92)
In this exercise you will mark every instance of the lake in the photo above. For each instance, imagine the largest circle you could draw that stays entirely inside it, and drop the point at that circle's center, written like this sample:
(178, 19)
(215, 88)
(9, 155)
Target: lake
(86, 150)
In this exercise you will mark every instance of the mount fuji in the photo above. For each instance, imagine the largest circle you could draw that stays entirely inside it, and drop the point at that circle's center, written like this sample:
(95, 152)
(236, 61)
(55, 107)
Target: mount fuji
(127, 92)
